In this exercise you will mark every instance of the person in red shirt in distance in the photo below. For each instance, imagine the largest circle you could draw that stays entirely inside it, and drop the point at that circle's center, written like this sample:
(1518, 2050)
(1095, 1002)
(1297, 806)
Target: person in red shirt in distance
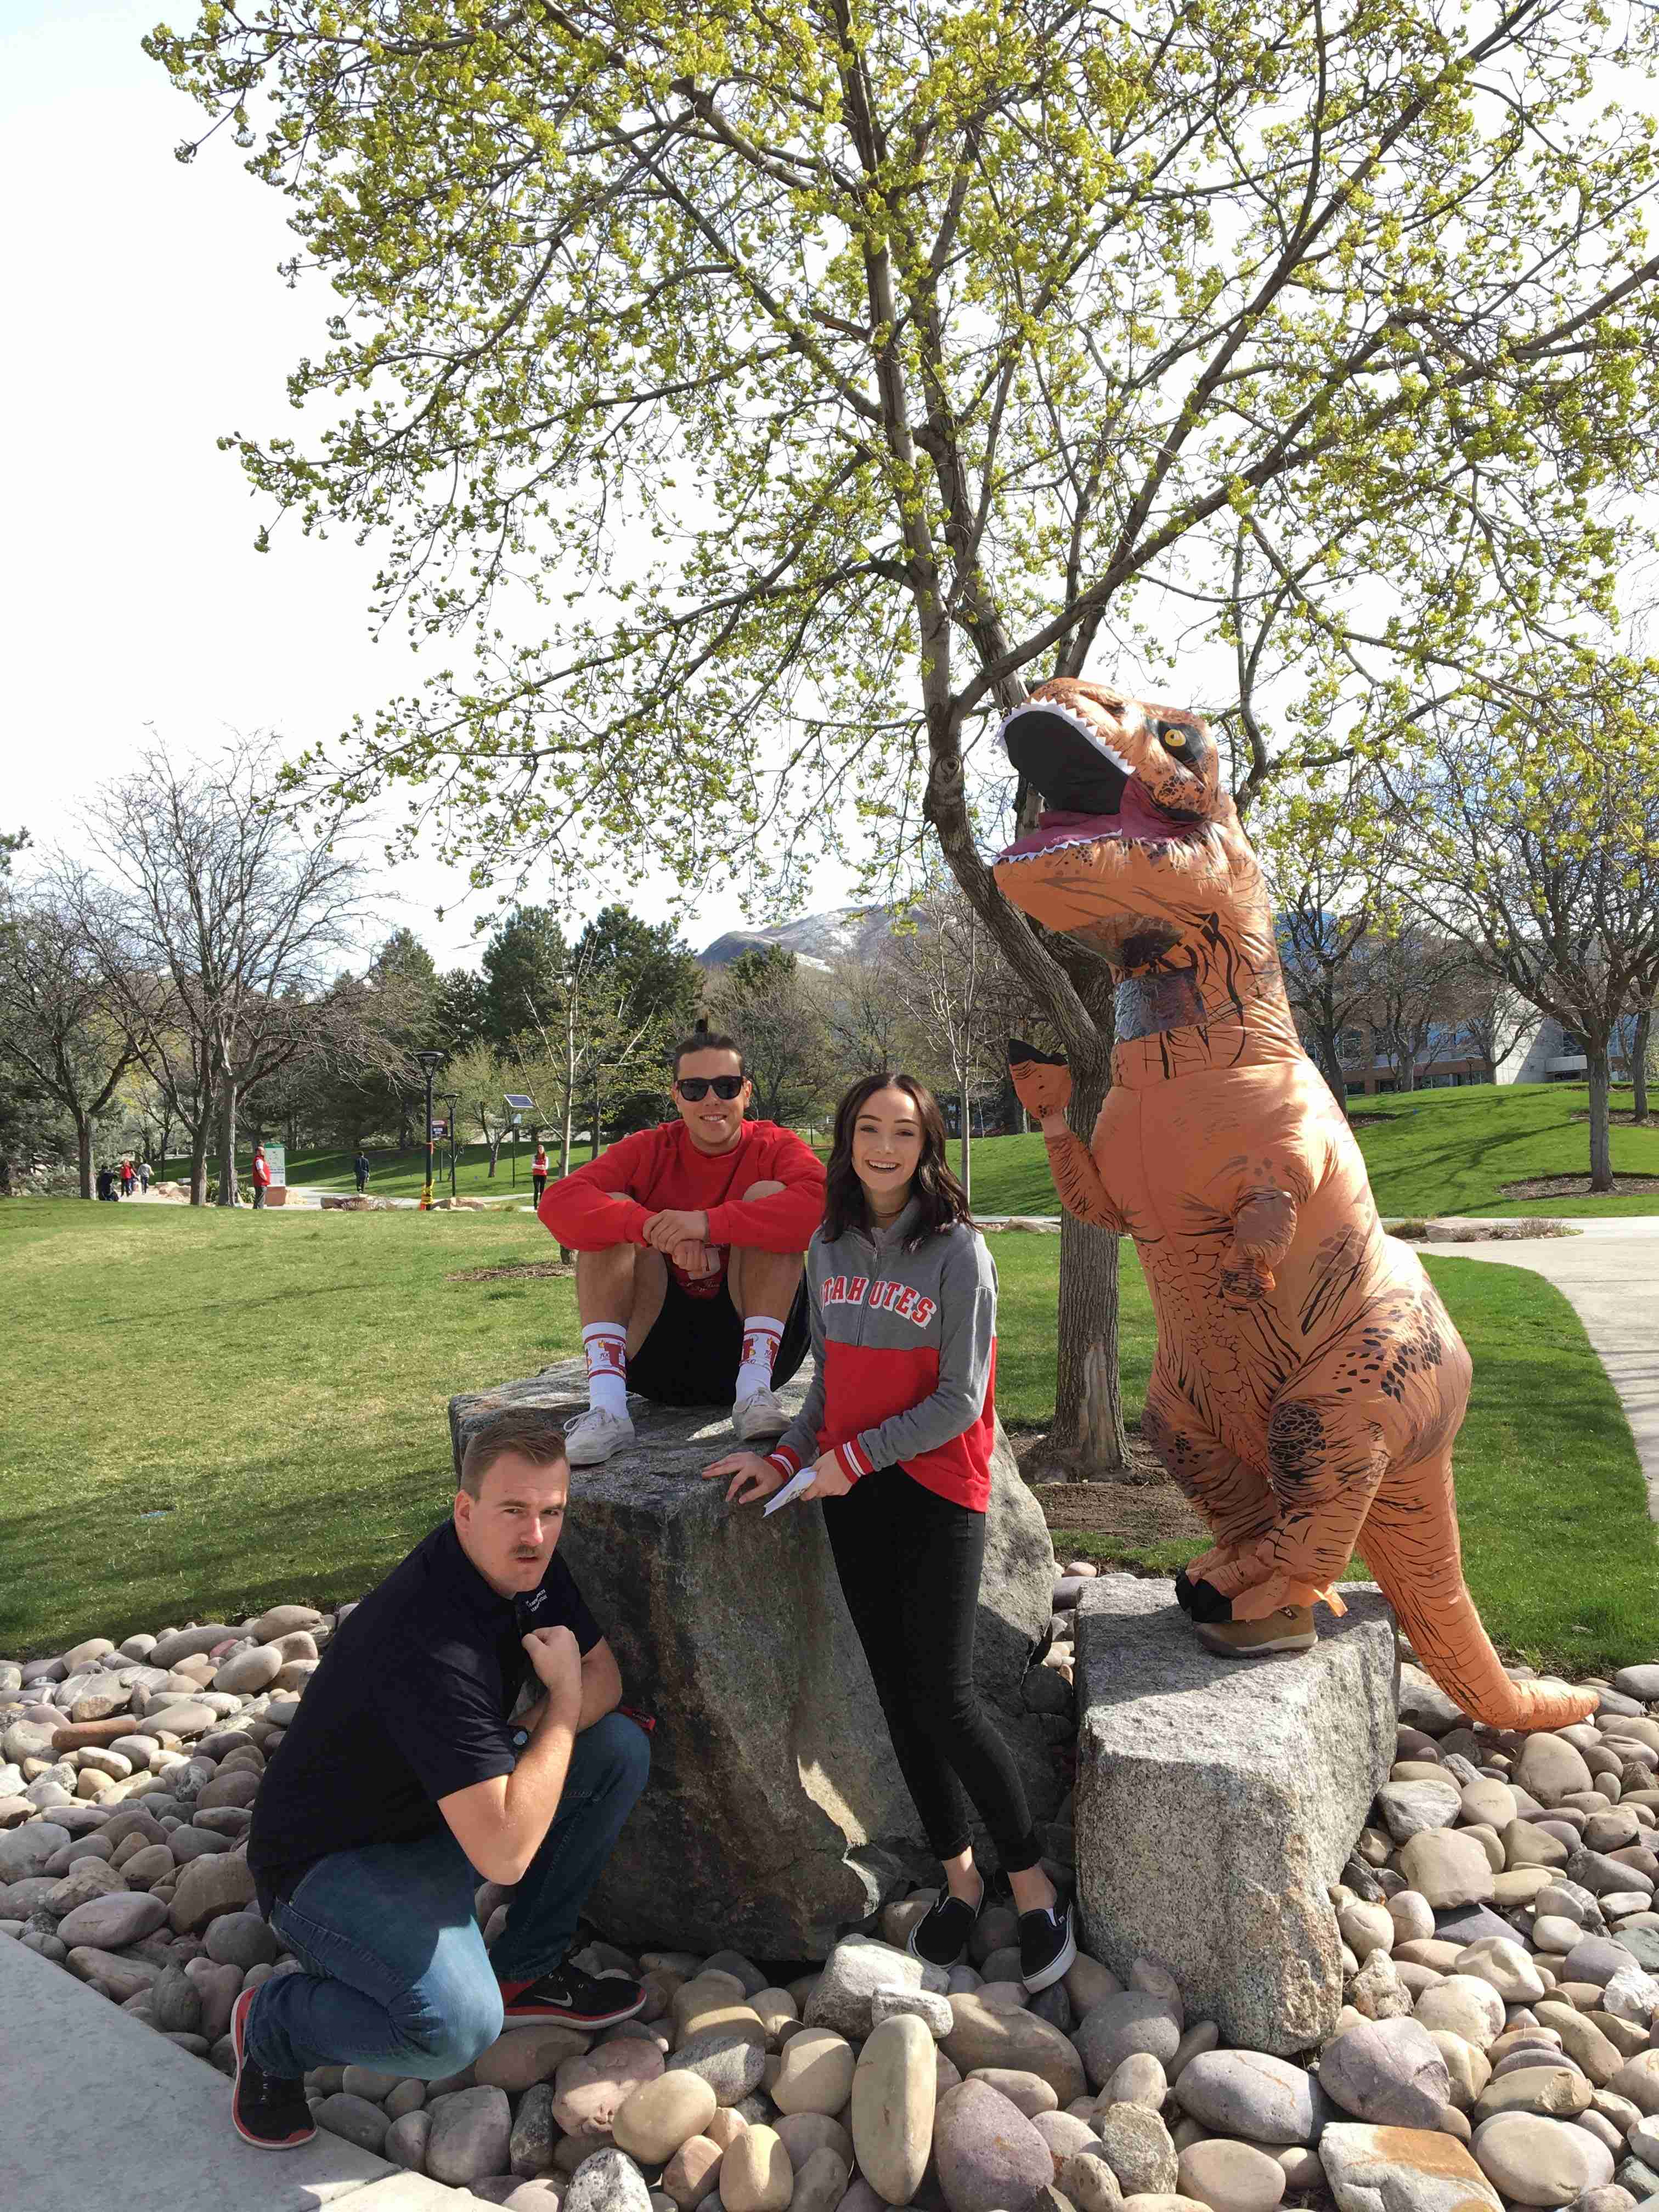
(689, 1240)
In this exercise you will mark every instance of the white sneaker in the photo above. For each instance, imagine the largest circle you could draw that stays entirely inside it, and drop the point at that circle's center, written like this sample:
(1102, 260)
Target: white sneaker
(591, 1437)
(760, 1419)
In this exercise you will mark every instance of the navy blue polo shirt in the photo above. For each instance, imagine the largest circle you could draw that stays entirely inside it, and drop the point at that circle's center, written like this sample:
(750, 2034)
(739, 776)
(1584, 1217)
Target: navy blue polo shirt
(411, 1701)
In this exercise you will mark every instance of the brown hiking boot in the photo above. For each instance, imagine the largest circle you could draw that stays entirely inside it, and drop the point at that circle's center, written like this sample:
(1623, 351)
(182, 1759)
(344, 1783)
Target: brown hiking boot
(1289, 1629)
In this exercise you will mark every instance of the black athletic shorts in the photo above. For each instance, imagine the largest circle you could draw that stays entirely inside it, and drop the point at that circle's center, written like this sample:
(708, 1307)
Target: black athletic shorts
(695, 1348)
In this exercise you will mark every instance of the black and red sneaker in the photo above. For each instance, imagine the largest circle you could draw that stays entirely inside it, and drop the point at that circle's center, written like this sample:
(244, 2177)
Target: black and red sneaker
(266, 2110)
(569, 1998)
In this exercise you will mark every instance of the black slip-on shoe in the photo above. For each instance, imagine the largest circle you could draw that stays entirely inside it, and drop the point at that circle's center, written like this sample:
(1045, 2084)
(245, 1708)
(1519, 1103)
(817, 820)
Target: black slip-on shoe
(1184, 1591)
(1046, 1945)
(940, 1937)
(266, 2110)
(569, 1998)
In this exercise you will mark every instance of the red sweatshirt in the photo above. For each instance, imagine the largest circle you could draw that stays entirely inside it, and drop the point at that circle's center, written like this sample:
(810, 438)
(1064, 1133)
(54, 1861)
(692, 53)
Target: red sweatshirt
(661, 1168)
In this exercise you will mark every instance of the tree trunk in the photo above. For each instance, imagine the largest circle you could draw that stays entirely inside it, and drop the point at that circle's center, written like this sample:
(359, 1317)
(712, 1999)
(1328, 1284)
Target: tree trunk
(495, 1145)
(83, 1150)
(1335, 1081)
(199, 1145)
(1595, 1051)
(565, 1128)
(966, 1176)
(1638, 1068)
(228, 1143)
(1088, 1415)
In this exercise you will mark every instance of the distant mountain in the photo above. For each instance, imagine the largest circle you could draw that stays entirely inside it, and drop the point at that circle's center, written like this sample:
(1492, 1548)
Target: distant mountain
(817, 941)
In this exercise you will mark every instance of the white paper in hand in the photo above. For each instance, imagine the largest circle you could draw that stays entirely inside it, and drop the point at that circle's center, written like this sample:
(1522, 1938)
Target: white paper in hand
(792, 1489)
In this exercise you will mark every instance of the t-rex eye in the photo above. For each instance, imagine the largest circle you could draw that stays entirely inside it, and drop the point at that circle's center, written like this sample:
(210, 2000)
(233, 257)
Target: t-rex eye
(1172, 737)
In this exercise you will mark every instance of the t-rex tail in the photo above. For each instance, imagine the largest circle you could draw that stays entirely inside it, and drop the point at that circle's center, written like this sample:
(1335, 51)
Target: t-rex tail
(1413, 1550)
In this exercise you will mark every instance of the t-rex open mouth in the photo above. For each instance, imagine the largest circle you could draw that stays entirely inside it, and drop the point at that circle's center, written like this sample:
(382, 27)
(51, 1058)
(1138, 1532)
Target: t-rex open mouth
(1093, 792)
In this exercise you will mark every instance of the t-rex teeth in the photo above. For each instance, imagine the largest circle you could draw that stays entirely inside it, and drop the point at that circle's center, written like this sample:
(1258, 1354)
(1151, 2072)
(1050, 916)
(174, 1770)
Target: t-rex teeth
(1067, 714)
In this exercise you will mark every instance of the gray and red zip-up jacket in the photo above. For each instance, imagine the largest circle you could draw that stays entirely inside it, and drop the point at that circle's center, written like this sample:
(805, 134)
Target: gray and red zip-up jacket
(905, 1342)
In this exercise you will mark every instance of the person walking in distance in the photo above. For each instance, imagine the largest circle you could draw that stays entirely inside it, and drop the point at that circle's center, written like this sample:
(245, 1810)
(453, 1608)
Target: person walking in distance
(360, 1169)
(259, 1175)
(899, 1423)
(689, 1240)
(539, 1170)
(407, 1775)
(144, 1172)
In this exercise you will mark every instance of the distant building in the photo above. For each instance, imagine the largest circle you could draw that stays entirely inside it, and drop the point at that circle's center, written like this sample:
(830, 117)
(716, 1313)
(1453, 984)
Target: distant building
(1545, 1053)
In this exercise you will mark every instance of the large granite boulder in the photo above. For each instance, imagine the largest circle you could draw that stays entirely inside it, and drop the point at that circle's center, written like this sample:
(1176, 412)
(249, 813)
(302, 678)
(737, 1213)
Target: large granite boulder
(1217, 1798)
(775, 1817)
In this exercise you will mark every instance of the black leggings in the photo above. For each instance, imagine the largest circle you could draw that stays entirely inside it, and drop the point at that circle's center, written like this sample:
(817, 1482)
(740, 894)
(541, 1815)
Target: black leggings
(909, 1565)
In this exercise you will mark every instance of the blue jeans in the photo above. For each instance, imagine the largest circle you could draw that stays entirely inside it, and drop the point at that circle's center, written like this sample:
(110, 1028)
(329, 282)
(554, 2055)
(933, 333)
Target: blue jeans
(396, 1973)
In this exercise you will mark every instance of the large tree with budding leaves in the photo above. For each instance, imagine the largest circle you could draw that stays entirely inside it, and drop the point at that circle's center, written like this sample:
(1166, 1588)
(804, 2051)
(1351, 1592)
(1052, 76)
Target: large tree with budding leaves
(763, 396)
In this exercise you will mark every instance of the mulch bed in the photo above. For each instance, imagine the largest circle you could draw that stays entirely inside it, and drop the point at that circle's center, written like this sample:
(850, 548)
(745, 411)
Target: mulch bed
(1574, 1186)
(1146, 1510)
(556, 1268)
(1481, 1232)
(1625, 1114)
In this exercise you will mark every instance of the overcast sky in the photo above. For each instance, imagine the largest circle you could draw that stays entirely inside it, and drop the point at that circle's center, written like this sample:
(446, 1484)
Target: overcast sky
(148, 320)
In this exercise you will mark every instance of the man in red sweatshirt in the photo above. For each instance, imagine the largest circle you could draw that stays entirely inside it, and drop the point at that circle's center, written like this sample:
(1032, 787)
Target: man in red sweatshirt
(689, 1241)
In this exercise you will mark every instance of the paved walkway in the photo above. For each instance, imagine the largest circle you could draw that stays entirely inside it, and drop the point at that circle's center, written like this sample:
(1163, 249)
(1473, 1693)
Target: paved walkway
(1610, 1276)
(99, 2113)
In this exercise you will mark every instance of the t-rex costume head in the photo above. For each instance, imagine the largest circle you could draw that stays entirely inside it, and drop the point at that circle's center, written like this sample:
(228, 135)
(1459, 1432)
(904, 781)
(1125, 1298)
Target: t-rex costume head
(1308, 1382)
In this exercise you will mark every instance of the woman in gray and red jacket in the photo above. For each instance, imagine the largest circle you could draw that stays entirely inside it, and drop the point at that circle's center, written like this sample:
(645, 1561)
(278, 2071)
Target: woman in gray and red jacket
(900, 1422)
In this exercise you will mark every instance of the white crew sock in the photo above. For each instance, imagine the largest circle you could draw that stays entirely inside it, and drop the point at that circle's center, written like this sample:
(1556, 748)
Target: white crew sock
(604, 1347)
(762, 1335)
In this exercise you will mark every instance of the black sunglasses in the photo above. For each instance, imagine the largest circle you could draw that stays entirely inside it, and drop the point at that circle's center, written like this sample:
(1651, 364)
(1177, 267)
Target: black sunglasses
(693, 1087)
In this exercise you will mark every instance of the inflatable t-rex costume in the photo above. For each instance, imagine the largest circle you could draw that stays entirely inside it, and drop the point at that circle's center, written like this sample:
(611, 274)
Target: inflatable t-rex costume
(1308, 1382)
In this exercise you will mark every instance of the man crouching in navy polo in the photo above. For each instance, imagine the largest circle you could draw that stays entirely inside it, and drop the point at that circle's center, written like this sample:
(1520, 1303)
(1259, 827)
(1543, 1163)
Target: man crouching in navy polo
(402, 1780)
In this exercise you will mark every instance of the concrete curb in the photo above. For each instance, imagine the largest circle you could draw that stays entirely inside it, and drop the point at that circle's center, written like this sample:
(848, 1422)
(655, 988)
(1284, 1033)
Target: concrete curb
(99, 2113)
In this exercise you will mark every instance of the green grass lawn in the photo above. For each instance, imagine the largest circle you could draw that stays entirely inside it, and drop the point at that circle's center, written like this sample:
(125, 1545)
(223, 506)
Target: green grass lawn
(400, 1175)
(209, 1412)
(1429, 1152)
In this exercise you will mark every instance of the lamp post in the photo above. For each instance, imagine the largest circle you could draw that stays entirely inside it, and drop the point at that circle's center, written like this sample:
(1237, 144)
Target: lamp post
(431, 1061)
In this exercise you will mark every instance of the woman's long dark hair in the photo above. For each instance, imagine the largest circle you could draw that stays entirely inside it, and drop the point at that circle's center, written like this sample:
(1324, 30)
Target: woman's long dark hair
(940, 1198)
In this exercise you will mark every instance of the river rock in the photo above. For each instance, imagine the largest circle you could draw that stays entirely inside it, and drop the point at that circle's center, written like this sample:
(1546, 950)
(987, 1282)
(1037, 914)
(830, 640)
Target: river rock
(776, 1813)
(1215, 1804)
(24, 1851)
(692, 2174)
(355, 2117)
(216, 1883)
(816, 2075)
(982, 2037)
(607, 2182)
(990, 2157)
(1372, 2169)
(1447, 1866)
(733, 2065)
(1552, 1769)
(471, 2129)
(114, 1921)
(1136, 2145)
(755, 2175)
(1248, 2093)
(589, 2092)
(1389, 2071)
(118, 1976)
(1466, 2006)
(1135, 2021)
(1534, 2160)
(893, 2104)
(659, 2116)
(854, 1972)
(1230, 2176)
